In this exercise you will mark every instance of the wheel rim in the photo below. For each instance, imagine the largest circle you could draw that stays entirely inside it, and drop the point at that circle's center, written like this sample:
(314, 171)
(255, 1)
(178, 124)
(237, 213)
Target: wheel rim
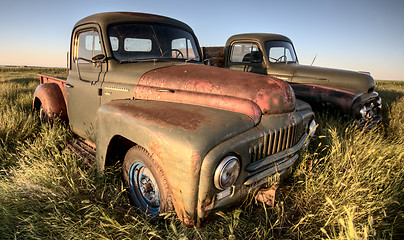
(144, 188)
(42, 115)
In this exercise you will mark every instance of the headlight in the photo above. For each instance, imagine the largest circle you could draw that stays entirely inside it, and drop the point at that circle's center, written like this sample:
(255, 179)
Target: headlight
(227, 172)
(312, 128)
(363, 112)
(379, 102)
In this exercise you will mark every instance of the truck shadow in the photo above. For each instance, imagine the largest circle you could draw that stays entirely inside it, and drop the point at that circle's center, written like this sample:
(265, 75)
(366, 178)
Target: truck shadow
(389, 99)
(390, 96)
(21, 80)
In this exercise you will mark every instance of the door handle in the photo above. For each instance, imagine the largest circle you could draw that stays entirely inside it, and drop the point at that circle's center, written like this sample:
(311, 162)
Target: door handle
(165, 90)
(68, 85)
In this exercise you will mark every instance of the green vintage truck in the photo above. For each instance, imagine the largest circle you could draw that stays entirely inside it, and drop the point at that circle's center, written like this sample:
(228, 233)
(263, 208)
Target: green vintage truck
(190, 137)
(274, 55)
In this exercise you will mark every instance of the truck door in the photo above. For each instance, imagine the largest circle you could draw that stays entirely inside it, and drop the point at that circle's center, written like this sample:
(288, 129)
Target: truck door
(84, 81)
(246, 57)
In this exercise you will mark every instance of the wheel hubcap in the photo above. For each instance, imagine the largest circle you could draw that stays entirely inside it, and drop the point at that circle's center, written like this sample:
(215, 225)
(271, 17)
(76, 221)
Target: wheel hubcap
(144, 186)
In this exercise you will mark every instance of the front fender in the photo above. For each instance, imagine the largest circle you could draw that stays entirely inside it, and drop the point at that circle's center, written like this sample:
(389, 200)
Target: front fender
(51, 98)
(317, 95)
(178, 136)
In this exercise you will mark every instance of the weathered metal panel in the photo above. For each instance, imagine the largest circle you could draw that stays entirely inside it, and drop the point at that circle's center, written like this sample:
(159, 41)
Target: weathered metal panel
(317, 94)
(273, 96)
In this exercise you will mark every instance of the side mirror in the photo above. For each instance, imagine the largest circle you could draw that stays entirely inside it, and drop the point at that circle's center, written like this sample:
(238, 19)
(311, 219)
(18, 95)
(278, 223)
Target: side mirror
(98, 58)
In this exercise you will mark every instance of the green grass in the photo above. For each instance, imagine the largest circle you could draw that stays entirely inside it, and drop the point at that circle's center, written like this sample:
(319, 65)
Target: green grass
(353, 191)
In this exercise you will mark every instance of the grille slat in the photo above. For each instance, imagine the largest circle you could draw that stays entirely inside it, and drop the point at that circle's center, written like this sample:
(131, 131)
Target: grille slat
(280, 140)
(276, 141)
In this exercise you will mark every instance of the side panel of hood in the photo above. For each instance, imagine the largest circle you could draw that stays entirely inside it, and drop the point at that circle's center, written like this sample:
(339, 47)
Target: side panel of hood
(351, 81)
(220, 88)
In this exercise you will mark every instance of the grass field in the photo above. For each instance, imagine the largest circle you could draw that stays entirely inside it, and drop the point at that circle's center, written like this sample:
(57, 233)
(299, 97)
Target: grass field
(354, 190)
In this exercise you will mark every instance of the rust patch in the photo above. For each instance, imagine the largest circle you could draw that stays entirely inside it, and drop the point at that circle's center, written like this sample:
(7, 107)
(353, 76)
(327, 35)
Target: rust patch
(196, 162)
(52, 100)
(207, 204)
(267, 195)
(156, 147)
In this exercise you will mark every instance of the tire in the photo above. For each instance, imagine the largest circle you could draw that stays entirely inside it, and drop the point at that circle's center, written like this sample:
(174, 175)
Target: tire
(147, 187)
(43, 115)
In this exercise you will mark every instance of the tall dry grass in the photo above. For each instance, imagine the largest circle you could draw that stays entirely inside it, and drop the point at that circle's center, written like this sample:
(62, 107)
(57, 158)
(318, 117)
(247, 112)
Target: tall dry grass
(353, 191)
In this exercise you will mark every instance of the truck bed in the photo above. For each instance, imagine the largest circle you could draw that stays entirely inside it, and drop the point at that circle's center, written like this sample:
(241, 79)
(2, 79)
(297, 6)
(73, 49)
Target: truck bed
(215, 55)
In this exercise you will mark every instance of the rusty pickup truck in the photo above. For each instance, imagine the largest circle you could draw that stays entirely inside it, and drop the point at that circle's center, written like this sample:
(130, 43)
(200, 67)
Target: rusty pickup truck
(190, 137)
(273, 54)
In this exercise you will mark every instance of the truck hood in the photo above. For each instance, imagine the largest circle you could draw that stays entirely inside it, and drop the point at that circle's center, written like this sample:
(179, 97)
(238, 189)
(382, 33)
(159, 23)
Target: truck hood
(351, 81)
(195, 84)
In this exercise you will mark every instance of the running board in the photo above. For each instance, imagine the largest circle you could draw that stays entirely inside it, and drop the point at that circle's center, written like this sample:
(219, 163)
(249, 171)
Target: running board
(83, 149)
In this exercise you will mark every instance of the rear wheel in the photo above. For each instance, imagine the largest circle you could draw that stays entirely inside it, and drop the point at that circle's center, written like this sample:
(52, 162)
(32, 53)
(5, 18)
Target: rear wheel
(147, 187)
(43, 115)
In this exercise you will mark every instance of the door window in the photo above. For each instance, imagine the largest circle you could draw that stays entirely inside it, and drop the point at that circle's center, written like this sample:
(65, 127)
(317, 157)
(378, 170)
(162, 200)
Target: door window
(87, 46)
(280, 52)
(245, 53)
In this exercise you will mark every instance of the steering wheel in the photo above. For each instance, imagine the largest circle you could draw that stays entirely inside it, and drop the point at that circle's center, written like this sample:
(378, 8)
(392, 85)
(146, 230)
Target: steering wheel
(179, 53)
(279, 58)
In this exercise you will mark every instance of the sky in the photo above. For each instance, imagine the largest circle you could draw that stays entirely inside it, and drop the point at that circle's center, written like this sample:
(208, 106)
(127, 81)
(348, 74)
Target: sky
(359, 35)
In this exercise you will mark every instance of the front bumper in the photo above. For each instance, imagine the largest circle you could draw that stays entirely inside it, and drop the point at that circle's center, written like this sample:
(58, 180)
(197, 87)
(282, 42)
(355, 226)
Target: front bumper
(368, 111)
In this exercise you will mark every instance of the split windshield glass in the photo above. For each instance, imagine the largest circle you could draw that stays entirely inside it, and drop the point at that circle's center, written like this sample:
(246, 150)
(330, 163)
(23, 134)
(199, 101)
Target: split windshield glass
(280, 52)
(134, 42)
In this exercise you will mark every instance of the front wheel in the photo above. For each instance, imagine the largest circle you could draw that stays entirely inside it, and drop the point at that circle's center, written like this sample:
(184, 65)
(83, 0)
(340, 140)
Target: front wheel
(145, 182)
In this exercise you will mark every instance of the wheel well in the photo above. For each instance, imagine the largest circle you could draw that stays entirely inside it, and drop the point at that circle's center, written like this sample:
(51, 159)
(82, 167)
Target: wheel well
(117, 148)
(37, 104)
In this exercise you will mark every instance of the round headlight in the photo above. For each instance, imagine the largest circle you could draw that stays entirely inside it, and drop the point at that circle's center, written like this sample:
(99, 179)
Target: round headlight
(227, 172)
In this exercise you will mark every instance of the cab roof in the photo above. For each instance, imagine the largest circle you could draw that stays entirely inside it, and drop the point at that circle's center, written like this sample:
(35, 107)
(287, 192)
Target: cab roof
(108, 18)
(259, 37)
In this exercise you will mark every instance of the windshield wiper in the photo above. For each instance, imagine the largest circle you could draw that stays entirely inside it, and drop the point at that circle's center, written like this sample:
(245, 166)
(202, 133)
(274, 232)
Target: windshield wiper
(157, 60)
(193, 59)
(139, 60)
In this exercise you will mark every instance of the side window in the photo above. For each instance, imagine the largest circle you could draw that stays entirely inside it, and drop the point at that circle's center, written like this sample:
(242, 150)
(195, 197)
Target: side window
(184, 46)
(87, 46)
(114, 43)
(245, 53)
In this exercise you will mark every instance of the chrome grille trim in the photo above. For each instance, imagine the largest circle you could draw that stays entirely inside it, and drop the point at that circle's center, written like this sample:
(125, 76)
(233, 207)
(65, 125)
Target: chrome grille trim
(276, 141)
(277, 157)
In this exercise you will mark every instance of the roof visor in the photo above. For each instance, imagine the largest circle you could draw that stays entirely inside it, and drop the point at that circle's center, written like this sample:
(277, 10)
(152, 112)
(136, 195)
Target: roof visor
(246, 93)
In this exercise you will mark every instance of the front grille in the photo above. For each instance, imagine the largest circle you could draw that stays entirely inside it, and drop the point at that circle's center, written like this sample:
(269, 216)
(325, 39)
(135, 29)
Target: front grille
(276, 141)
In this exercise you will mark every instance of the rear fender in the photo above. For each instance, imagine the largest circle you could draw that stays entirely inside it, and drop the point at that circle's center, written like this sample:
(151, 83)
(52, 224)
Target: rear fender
(50, 97)
(178, 137)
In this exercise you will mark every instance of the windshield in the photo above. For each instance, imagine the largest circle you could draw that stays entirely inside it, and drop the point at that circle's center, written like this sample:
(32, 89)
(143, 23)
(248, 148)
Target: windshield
(137, 42)
(280, 52)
